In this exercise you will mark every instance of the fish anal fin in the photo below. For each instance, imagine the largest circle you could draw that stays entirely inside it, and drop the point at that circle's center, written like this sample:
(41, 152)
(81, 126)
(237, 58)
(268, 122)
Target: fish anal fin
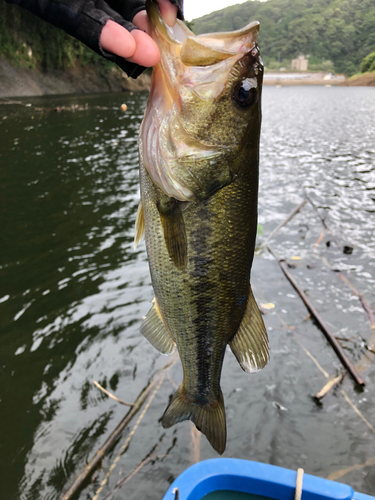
(153, 329)
(250, 344)
(209, 418)
(139, 225)
(174, 231)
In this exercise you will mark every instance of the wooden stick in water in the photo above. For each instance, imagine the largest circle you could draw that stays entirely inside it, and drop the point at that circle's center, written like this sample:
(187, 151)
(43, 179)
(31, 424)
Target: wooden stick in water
(322, 219)
(366, 306)
(150, 455)
(110, 442)
(329, 385)
(282, 224)
(109, 394)
(324, 327)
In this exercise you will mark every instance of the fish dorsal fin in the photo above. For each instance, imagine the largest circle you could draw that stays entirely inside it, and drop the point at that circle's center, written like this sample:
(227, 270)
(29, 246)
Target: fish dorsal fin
(250, 344)
(174, 231)
(154, 330)
(139, 225)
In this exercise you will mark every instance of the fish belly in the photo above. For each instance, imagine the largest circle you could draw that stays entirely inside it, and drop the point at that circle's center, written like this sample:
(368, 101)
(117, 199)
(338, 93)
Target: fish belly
(202, 304)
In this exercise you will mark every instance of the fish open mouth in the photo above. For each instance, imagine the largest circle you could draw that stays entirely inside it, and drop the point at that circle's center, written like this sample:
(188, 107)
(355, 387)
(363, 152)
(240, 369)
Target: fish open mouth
(192, 68)
(180, 48)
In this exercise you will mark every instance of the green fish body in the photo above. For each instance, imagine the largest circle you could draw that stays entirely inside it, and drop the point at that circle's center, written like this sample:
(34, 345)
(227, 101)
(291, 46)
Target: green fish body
(199, 155)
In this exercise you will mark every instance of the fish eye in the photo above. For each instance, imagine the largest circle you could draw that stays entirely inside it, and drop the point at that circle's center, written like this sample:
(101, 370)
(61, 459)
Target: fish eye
(244, 93)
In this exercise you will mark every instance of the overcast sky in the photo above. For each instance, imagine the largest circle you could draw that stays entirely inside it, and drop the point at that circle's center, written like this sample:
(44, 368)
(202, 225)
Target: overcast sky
(198, 8)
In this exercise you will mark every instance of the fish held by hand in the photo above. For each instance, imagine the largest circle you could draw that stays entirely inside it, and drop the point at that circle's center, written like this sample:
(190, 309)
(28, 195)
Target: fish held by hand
(199, 156)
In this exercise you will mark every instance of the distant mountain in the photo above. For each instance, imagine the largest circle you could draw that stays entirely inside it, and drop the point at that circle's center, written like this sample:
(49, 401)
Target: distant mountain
(342, 31)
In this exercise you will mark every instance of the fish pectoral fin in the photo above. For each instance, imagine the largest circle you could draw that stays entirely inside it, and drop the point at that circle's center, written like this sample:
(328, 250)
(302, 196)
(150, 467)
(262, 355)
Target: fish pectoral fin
(250, 344)
(154, 330)
(174, 231)
(139, 225)
(208, 419)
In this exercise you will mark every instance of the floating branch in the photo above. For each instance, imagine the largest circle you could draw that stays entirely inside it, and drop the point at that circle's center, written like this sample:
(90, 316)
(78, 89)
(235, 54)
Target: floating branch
(366, 306)
(345, 248)
(329, 385)
(109, 394)
(329, 335)
(125, 446)
(282, 224)
(334, 476)
(112, 439)
(128, 477)
(150, 456)
(195, 444)
(319, 240)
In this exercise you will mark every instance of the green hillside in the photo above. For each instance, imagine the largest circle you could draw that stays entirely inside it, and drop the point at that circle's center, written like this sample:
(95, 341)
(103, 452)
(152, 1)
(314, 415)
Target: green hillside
(342, 31)
(26, 40)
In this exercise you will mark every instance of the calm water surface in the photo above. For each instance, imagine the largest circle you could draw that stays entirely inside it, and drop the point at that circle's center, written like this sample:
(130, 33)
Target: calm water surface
(73, 292)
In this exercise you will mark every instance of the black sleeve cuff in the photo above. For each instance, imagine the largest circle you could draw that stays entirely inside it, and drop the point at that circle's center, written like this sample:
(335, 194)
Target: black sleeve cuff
(84, 20)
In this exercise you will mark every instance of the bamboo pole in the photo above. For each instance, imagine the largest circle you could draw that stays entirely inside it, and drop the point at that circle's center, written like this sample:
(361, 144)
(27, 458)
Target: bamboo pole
(282, 224)
(110, 442)
(324, 327)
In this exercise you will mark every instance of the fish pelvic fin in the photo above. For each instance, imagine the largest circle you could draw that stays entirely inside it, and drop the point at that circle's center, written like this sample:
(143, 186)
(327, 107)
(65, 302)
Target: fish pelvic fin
(174, 231)
(250, 344)
(154, 330)
(139, 225)
(208, 419)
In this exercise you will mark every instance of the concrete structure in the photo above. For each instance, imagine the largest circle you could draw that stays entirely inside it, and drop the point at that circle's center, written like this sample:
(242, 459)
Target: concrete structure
(300, 64)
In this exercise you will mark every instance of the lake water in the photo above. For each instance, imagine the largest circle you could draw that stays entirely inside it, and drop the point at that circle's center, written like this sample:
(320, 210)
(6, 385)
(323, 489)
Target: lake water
(73, 292)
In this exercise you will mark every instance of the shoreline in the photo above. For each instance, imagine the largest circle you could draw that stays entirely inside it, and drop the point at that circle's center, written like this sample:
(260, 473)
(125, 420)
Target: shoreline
(328, 80)
(294, 82)
(26, 82)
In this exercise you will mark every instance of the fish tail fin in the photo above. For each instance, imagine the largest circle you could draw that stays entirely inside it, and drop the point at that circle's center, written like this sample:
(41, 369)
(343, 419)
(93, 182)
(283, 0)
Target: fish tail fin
(208, 419)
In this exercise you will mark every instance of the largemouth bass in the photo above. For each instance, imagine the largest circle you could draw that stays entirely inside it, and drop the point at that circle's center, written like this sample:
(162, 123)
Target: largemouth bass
(199, 155)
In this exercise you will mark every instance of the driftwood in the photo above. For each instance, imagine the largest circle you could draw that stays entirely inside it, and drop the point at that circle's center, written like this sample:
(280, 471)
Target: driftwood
(128, 477)
(366, 306)
(112, 439)
(324, 327)
(358, 412)
(329, 385)
(110, 395)
(334, 476)
(195, 444)
(323, 221)
(282, 224)
(150, 456)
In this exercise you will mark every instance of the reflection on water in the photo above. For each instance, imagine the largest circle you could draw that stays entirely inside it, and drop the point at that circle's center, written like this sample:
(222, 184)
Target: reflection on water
(73, 292)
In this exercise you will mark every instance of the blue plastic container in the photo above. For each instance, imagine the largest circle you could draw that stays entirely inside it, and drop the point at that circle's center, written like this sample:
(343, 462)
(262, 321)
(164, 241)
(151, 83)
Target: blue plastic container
(255, 478)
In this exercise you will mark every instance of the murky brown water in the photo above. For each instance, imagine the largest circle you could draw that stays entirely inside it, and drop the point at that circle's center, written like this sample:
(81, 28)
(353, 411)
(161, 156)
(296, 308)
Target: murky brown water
(73, 292)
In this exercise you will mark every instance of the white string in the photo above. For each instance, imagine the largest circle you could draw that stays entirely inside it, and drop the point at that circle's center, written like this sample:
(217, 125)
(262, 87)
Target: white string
(298, 493)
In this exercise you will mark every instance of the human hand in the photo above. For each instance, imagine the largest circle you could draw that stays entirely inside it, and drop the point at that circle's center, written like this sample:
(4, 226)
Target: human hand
(136, 46)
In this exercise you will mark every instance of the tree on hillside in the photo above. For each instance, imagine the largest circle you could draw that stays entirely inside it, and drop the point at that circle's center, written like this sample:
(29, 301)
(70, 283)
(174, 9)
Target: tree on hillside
(342, 31)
